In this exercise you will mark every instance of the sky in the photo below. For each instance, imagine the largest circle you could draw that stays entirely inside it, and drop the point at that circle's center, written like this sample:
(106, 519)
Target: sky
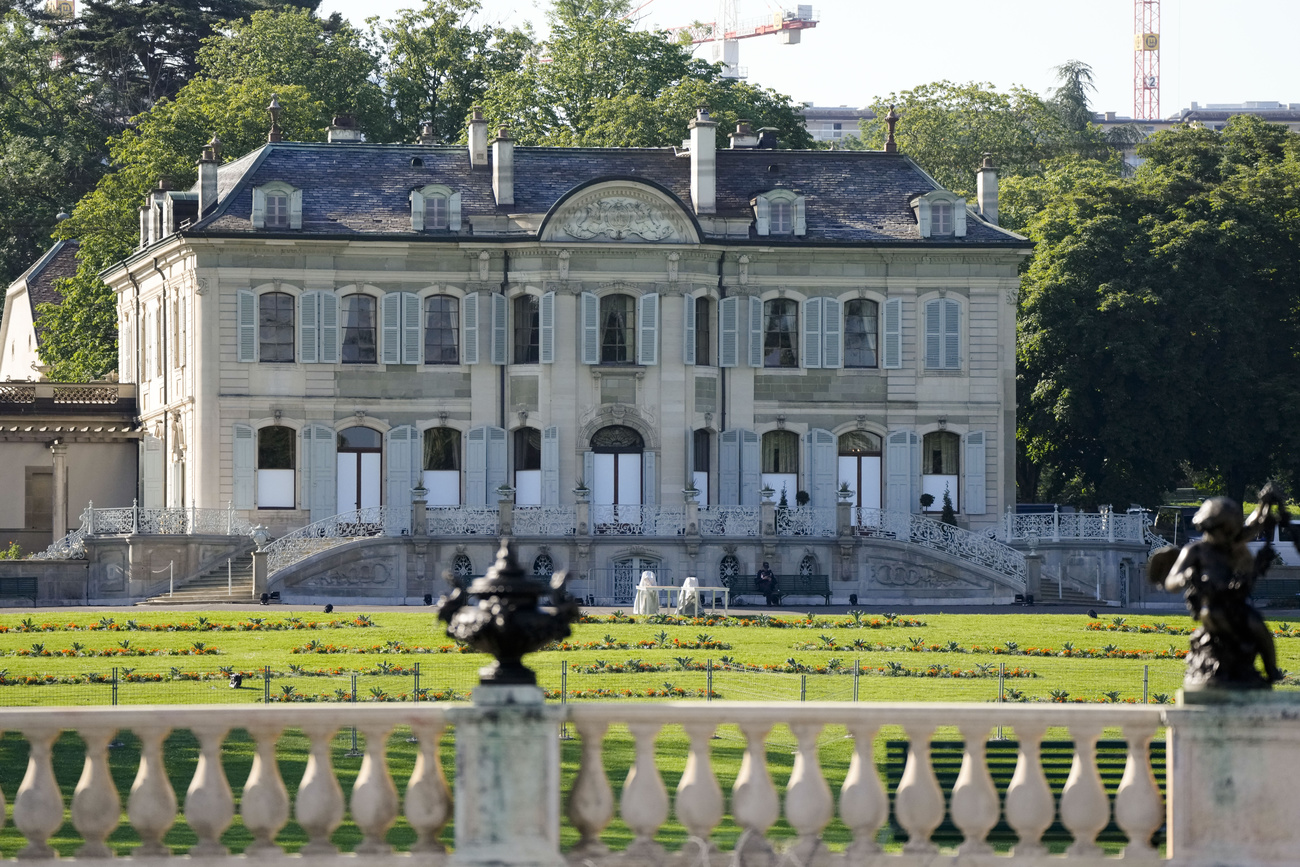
(1212, 51)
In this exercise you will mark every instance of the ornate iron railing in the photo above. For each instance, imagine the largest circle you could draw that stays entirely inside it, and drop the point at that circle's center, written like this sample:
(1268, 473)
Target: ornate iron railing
(165, 522)
(634, 520)
(333, 531)
(71, 546)
(729, 520)
(1074, 526)
(1154, 540)
(545, 521)
(463, 520)
(805, 521)
(938, 536)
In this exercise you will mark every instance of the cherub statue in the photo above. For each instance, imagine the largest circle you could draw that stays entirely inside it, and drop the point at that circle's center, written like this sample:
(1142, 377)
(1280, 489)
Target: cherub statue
(1217, 574)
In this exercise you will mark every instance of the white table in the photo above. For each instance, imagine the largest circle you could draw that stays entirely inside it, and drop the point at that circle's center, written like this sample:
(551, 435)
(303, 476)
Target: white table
(713, 597)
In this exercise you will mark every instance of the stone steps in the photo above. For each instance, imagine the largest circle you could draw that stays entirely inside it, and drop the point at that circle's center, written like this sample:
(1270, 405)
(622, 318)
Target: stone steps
(210, 588)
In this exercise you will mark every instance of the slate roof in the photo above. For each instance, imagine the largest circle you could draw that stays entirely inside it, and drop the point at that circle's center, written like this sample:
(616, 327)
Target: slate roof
(852, 197)
(58, 262)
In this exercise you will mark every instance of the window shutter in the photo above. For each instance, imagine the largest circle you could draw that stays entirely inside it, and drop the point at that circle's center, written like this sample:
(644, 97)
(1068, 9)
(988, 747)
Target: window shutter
(832, 353)
(476, 467)
(951, 334)
(151, 474)
(469, 328)
(295, 209)
(453, 212)
(417, 211)
(546, 325)
(729, 332)
(244, 452)
(247, 318)
(729, 468)
(750, 466)
(933, 335)
(914, 445)
(959, 219)
(411, 330)
(893, 333)
(401, 461)
(329, 328)
(824, 464)
(647, 315)
(309, 327)
(974, 501)
(688, 330)
(390, 315)
(551, 466)
(690, 459)
(755, 332)
(500, 307)
(320, 464)
(800, 222)
(649, 479)
(923, 217)
(259, 209)
(496, 462)
(762, 216)
(812, 332)
(590, 330)
(898, 468)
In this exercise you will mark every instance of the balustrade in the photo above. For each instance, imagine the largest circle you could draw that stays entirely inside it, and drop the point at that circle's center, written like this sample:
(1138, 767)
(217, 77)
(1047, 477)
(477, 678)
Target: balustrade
(805, 521)
(1074, 526)
(638, 520)
(463, 520)
(729, 520)
(545, 521)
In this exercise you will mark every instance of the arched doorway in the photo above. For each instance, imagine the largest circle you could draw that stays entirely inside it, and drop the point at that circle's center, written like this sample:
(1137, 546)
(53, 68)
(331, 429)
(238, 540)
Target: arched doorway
(627, 575)
(617, 452)
(360, 453)
(859, 458)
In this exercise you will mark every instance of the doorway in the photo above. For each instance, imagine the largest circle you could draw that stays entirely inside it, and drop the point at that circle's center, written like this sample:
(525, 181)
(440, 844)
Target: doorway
(618, 461)
(627, 575)
(360, 456)
(859, 468)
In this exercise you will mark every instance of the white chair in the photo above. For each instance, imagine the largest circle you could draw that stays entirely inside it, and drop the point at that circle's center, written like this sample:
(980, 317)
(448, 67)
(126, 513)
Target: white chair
(688, 598)
(647, 595)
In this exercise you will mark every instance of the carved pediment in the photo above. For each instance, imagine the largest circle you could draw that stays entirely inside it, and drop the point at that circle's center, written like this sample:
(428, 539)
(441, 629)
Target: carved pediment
(620, 213)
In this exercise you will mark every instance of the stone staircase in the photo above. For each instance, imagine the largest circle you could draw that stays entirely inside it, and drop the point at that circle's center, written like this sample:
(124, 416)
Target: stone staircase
(211, 587)
(1055, 593)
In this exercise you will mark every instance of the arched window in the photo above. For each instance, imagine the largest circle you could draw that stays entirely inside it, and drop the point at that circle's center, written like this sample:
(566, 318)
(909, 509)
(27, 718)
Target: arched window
(441, 330)
(781, 463)
(441, 465)
(461, 567)
(528, 466)
(275, 327)
(543, 566)
(941, 468)
(728, 570)
(527, 329)
(781, 333)
(359, 342)
(276, 463)
(861, 320)
(808, 565)
(617, 329)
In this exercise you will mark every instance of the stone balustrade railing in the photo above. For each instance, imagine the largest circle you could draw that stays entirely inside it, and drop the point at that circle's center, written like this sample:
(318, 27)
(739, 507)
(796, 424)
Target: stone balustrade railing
(1074, 526)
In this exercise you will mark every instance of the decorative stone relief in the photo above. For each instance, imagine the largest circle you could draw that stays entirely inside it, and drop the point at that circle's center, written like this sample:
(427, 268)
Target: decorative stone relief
(484, 264)
(673, 259)
(564, 264)
(620, 212)
(744, 270)
(366, 575)
(907, 576)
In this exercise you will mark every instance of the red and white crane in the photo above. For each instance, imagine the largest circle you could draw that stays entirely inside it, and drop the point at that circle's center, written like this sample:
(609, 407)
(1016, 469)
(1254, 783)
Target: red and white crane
(726, 31)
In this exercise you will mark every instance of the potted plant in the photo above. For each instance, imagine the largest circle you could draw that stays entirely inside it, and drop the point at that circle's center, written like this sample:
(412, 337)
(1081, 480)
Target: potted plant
(844, 493)
(927, 500)
(582, 492)
(767, 493)
(690, 493)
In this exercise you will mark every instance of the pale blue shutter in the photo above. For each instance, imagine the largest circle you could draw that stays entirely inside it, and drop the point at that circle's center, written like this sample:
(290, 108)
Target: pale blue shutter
(496, 462)
(309, 327)
(390, 318)
(500, 308)
(417, 211)
(933, 334)
(329, 328)
(812, 332)
(469, 327)
(589, 469)
(951, 334)
(245, 450)
(755, 332)
(800, 216)
(590, 329)
(295, 209)
(649, 479)
(823, 463)
(546, 325)
(551, 466)
(151, 474)
(898, 469)
(729, 468)
(399, 445)
(453, 212)
(246, 319)
(689, 481)
(412, 328)
(893, 333)
(974, 500)
(832, 357)
(914, 446)
(321, 464)
(476, 467)
(959, 219)
(688, 331)
(762, 216)
(729, 332)
(647, 316)
(751, 465)
(258, 217)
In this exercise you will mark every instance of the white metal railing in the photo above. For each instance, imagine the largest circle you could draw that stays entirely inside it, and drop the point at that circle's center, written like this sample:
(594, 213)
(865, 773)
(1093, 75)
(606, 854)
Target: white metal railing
(938, 536)
(463, 520)
(333, 531)
(729, 520)
(1074, 526)
(71, 546)
(805, 521)
(173, 521)
(545, 521)
(638, 520)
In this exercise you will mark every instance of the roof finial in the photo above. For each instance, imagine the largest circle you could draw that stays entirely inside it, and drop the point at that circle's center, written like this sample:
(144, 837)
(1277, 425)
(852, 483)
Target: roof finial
(274, 110)
(891, 146)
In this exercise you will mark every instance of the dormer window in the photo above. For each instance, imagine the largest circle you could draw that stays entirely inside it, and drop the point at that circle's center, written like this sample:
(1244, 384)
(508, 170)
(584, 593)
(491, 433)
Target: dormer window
(277, 205)
(940, 214)
(779, 212)
(435, 208)
(941, 218)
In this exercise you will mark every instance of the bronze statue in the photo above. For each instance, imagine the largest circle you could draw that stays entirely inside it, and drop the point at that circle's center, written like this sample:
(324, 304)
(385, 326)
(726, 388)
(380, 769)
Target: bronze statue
(1217, 574)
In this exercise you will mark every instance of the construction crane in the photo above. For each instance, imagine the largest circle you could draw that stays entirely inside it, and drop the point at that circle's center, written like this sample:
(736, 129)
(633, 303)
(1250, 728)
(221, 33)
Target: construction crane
(1146, 59)
(726, 31)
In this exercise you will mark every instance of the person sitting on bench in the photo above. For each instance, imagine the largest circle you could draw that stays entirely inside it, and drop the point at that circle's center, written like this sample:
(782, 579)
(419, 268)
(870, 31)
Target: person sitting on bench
(765, 582)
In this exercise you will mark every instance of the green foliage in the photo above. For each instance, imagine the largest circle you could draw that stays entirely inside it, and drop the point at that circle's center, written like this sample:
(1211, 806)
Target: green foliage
(948, 515)
(13, 552)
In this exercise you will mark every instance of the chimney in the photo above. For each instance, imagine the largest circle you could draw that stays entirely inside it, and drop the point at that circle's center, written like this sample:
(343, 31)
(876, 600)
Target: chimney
(208, 163)
(477, 139)
(767, 138)
(744, 136)
(503, 167)
(986, 190)
(1110, 117)
(343, 129)
(704, 162)
(155, 206)
(426, 134)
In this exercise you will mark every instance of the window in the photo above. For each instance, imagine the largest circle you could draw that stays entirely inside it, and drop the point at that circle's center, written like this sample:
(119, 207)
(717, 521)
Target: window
(701, 449)
(359, 344)
(527, 329)
(275, 327)
(940, 214)
(277, 211)
(943, 334)
(861, 319)
(940, 467)
(779, 212)
(435, 207)
(781, 333)
(441, 465)
(528, 466)
(780, 461)
(782, 218)
(277, 205)
(461, 567)
(435, 211)
(617, 329)
(276, 461)
(543, 566)
(703, 336)
(728, 570)
(941, 218)
(441, 330)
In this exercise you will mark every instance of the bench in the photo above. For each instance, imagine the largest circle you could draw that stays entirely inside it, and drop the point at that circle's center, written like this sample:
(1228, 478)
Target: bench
(1058, 756)
(18, 588)
(786, 585)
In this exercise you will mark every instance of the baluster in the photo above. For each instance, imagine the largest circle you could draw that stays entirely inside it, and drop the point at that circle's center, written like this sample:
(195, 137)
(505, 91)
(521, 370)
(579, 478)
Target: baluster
(38, 806)
(863, 804)
(974, 805)
(319, 806)
(1029, 804)
(645, 800)
(151, 806)
(1138, 810)
(428, 799)
(591, 802)
(96, 807)
(918, 803)
(264, 806)
(209, 804)
(374, 795)
(1085, 809)
(754, 802)
(809, 805)
(699, 804)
